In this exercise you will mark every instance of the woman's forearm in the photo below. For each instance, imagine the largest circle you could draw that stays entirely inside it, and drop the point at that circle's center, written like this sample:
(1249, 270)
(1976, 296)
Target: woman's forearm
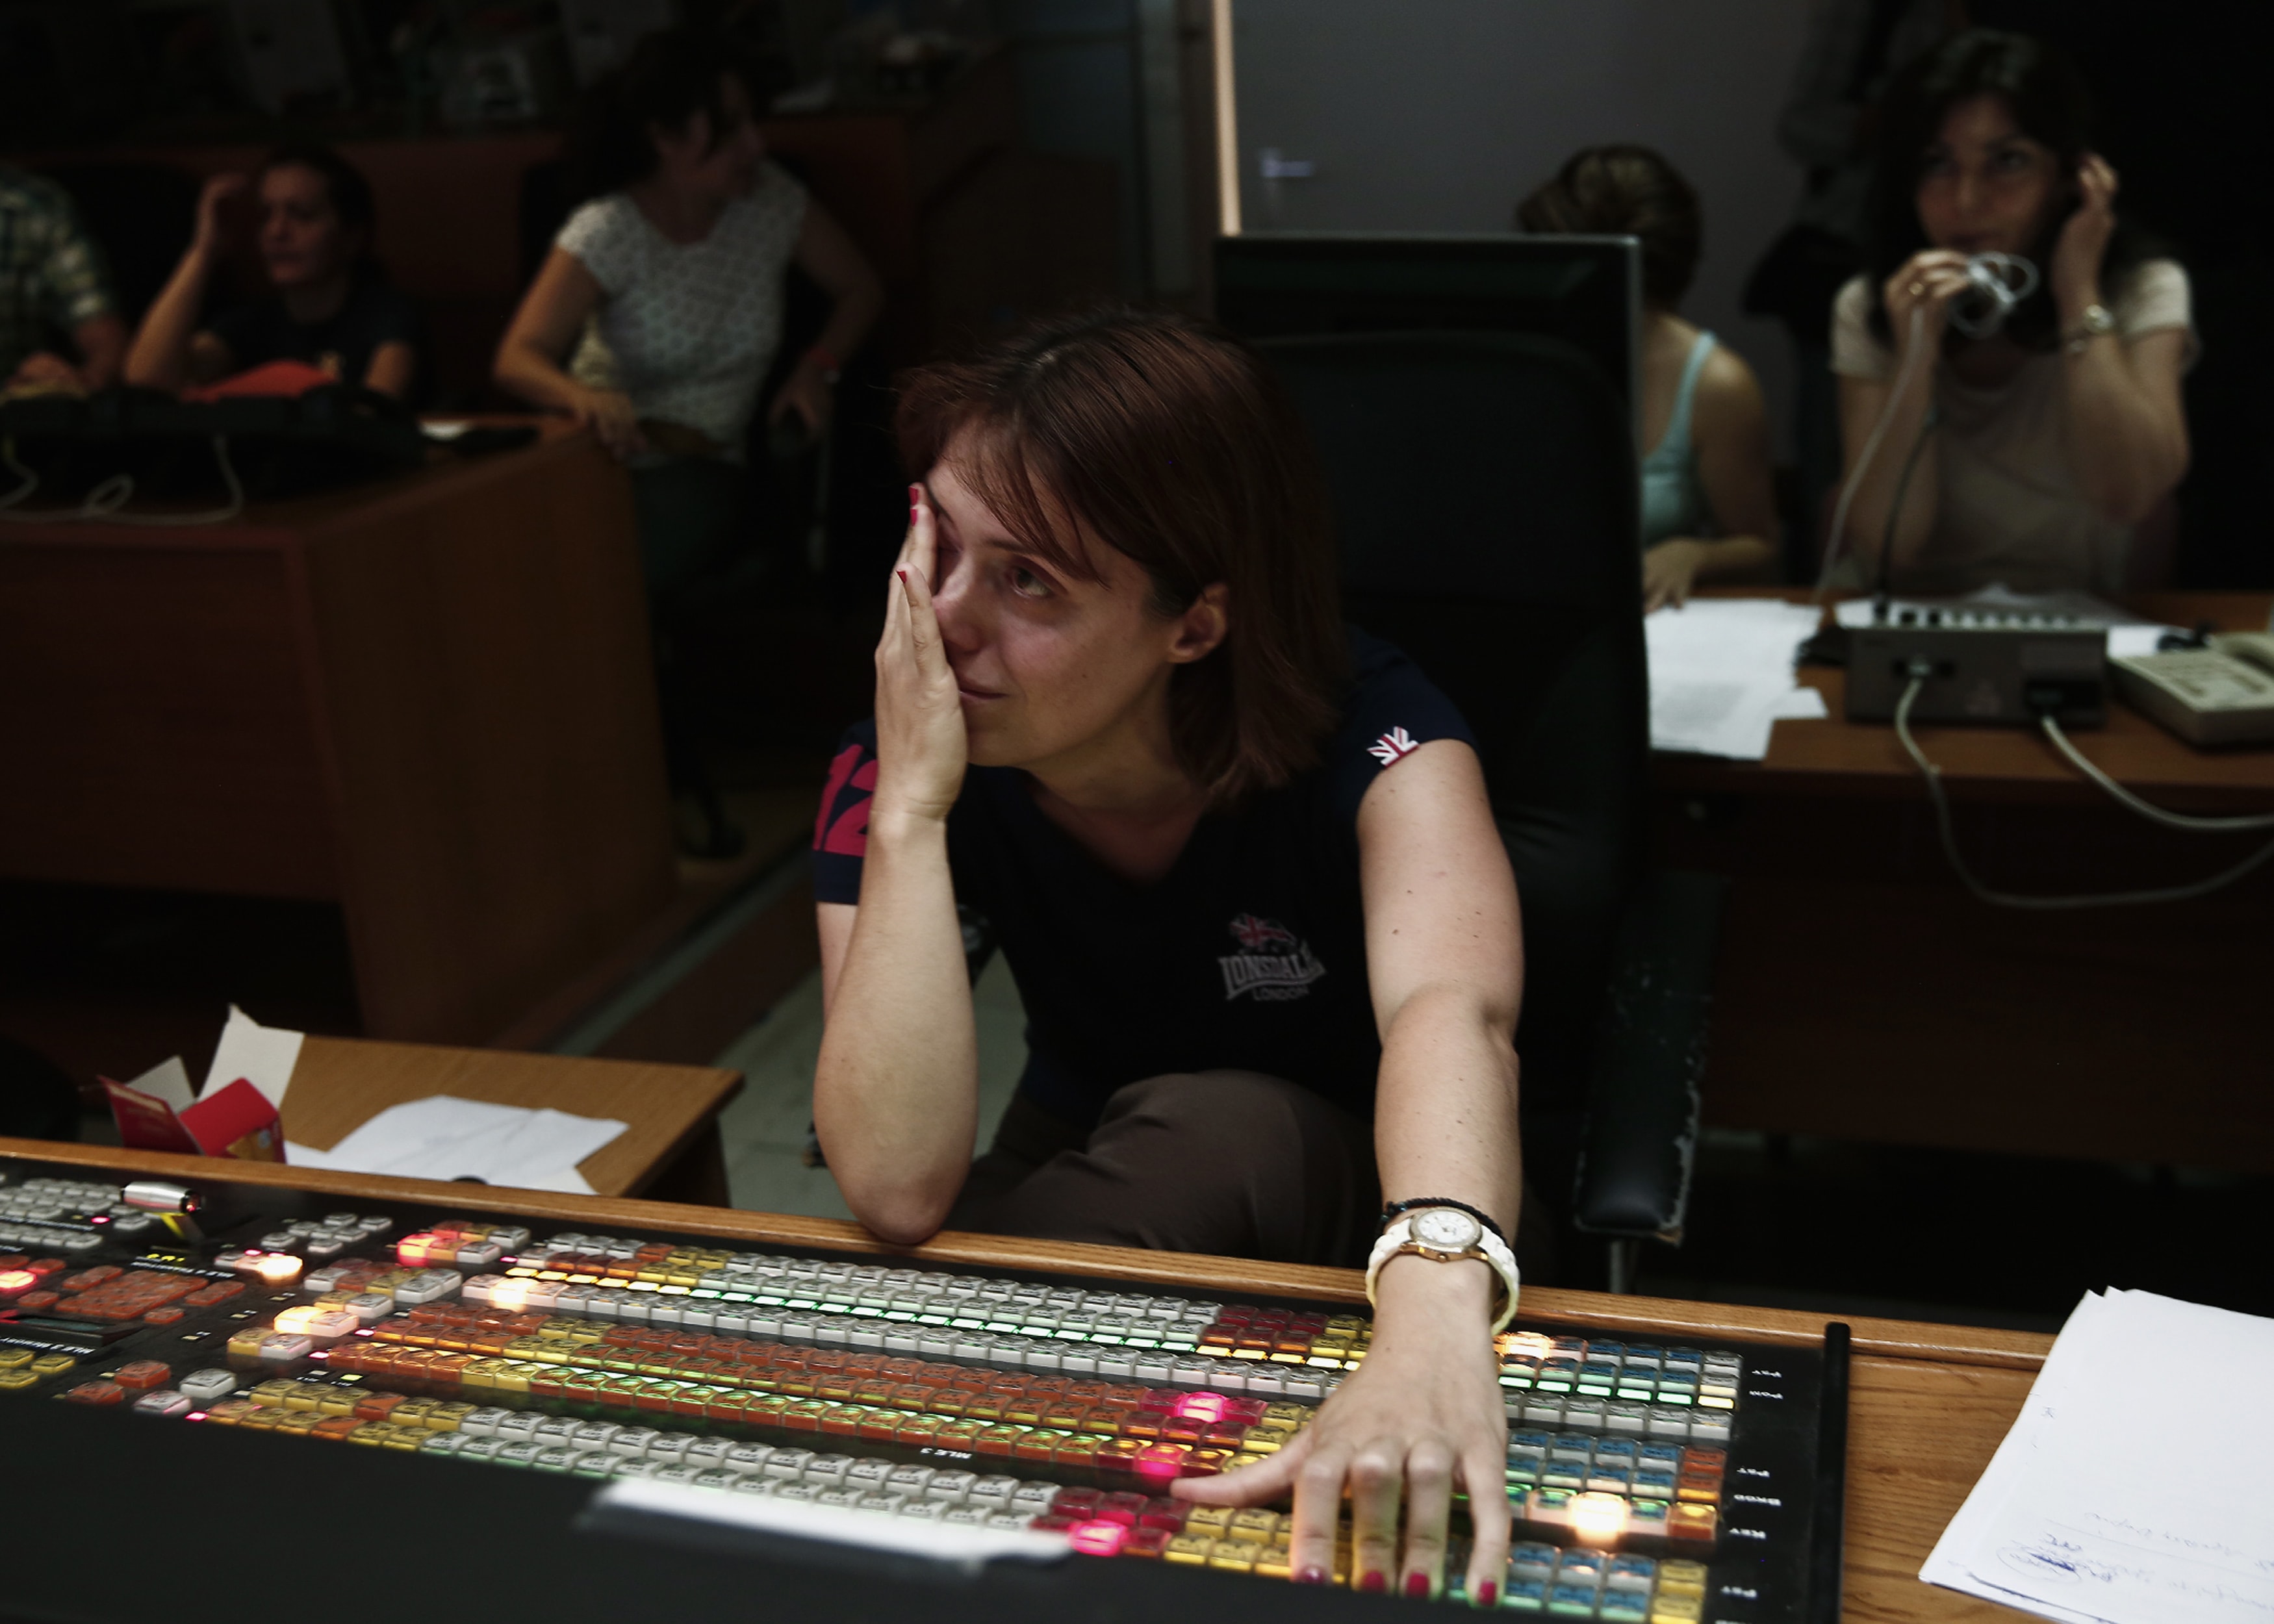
(2130, 449)
(525, 369)
(159, 358)
(1724, 557)
(1445, 1124)
(896, 1094)
(1875, 494)
(1445, 1120)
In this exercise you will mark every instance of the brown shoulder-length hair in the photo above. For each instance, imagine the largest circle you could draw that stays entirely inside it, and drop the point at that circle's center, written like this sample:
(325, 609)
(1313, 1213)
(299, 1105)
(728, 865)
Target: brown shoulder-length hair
(1169, 440)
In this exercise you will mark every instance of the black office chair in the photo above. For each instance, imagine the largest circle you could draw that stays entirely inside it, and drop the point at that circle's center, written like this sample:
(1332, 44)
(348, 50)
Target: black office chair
(1485, 498)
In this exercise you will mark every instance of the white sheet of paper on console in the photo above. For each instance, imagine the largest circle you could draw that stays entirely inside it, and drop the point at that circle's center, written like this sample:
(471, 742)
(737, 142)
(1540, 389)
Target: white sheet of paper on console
(2133, 1488)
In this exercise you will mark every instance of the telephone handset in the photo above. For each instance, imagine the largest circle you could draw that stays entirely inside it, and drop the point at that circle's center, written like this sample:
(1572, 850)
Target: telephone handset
(2221, 693)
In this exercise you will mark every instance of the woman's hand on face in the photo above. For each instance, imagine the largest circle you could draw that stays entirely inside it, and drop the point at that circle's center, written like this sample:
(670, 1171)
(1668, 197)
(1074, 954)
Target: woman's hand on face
(1669, 570)
(922, 743)
(1924, 284)
(1421, 1417)
(610, 416)
(217, 191)
(808, 394)
(2083, 240)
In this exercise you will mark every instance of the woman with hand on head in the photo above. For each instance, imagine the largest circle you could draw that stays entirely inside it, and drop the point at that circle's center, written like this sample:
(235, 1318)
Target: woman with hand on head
(1709, 497)
(2037, 443)
(329, 305)
(1241, 862)
(657, 315)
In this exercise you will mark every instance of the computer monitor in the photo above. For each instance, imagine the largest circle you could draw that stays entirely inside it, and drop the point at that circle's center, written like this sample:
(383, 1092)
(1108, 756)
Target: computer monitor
(1585, 292)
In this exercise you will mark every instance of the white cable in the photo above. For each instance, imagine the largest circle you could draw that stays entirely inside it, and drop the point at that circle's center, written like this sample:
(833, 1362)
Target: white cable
(31, 481)
(106, 503)
(2123, 797)
(1911, 352)
(212, 515)
(1933, 774)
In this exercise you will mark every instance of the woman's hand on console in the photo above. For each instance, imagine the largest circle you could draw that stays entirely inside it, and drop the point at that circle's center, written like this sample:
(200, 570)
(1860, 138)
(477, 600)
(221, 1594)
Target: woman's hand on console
(922, 746)
(1420, 1419)
(611, 417)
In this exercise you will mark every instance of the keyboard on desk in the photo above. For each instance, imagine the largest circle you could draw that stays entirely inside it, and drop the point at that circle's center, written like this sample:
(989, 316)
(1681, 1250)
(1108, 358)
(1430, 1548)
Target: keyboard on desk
(1661, 1482)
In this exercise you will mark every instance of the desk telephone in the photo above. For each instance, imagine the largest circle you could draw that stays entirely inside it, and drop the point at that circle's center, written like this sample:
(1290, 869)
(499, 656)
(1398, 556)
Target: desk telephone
(2219, 694)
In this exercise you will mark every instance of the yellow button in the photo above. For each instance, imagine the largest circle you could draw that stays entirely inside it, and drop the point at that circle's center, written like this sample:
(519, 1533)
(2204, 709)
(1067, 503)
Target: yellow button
(53, 1364)
(1190, 1550)
(1232, 1556)
(1256, 1525)
(1208, 1520)
(14, 1359)
(1676, 1609)
(17, 1381)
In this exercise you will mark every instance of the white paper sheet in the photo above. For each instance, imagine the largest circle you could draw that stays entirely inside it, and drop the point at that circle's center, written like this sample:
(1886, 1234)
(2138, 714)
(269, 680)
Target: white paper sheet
(2130, 1490)
(1721, 674)
(263, 1056)
(444, 1137)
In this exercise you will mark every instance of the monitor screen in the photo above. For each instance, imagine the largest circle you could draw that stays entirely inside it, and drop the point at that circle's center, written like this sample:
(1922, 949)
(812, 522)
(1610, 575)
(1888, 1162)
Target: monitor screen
(1585, 291)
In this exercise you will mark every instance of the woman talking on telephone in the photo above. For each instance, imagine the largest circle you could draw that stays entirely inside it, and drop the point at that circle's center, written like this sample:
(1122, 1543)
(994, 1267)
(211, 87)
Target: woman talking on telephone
(2018, 439)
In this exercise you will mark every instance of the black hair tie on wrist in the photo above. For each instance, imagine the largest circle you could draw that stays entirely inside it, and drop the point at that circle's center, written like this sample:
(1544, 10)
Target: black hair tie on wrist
(1393, 1210)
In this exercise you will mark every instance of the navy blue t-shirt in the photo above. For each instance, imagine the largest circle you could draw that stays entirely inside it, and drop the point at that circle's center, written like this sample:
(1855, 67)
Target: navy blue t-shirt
(1249, 953)
(343, 343)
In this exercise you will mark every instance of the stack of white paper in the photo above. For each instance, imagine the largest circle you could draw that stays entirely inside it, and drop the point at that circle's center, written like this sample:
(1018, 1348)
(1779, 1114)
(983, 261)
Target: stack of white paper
(1721, 674)
(441, 1137)
(2133, 1490)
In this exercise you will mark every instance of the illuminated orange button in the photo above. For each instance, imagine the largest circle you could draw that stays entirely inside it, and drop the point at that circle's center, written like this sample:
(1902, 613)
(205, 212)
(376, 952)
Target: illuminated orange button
(1688, 1521)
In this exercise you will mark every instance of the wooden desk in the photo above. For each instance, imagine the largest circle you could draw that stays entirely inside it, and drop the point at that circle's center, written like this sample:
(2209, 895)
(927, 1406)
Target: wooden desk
(1864, 994)
(1928, 1407)
(427, 700)
(670, 1143)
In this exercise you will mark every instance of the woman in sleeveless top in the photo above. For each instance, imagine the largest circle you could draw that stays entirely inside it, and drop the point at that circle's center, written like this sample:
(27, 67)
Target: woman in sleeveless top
(1708, 502)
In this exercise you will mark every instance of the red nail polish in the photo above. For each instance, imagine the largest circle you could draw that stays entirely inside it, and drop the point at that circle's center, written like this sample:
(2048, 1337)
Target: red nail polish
(1373, 1579)
(1311, 1575)
(1417, 1585)
(903, 574)
(1489, 1594)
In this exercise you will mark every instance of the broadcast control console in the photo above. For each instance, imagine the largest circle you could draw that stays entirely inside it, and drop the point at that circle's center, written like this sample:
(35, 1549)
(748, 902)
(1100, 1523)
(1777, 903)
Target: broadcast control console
(1652, 1483)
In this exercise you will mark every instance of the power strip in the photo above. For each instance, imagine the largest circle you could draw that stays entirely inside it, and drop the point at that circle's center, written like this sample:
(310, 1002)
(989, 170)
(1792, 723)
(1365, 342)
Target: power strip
(1994, 667)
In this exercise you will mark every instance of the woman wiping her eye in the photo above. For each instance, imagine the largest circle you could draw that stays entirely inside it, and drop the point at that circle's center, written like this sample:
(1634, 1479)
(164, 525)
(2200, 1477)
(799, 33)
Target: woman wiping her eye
(1242, 865)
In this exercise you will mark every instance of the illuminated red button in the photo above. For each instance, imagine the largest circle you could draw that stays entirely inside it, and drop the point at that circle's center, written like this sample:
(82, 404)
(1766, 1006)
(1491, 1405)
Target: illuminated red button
(97, 1393)
(36, 1299)
(16, 1281)
(88, 1277)
(143, 1374)
(1097, 1538)
(46, 1266)
(1124, 1509)
(1693, 1522)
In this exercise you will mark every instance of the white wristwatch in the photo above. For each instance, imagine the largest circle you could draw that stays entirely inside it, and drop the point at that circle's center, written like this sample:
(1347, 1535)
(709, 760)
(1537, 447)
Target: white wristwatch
(1445, 1235)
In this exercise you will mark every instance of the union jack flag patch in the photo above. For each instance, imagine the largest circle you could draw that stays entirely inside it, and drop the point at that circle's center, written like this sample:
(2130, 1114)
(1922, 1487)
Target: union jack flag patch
(1393, 746)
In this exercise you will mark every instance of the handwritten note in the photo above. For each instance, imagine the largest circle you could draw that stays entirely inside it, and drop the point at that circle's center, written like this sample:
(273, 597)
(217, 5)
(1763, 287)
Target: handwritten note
(2132, 1489)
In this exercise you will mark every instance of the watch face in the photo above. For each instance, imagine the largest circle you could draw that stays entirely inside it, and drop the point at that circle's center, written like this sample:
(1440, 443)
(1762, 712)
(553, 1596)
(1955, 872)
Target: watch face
(1445, 1228)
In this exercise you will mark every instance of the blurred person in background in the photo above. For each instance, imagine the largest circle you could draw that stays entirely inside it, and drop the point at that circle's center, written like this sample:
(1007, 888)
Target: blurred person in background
(52, 280)
(1708, 494)
(2034, 449)
(329, 305)
(655, 317)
